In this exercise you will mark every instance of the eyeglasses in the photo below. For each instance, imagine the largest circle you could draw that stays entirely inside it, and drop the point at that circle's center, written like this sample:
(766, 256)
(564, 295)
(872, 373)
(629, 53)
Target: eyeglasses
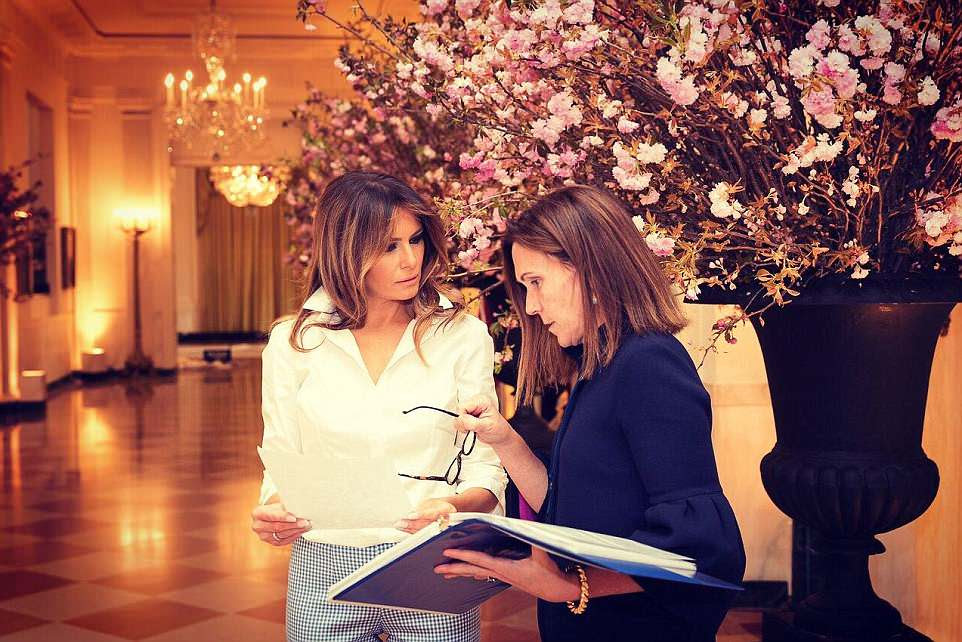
(453, 474)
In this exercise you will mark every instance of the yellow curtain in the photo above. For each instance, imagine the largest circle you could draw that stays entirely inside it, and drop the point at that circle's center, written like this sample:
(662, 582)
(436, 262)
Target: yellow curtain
(244, 283)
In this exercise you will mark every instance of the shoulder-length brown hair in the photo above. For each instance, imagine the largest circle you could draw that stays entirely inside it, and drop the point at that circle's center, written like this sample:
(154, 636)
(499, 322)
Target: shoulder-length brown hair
(590, 231)
(352, 229)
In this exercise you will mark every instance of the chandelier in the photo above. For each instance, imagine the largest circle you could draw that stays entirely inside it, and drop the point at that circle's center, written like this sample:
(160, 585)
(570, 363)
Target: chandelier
(213, 118)
(244, 185)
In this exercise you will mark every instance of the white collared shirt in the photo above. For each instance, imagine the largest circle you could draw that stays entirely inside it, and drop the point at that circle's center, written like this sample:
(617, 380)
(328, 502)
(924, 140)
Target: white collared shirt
(324, 400)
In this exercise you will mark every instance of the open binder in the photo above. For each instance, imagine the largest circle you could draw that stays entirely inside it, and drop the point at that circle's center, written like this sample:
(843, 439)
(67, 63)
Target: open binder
(403, 577)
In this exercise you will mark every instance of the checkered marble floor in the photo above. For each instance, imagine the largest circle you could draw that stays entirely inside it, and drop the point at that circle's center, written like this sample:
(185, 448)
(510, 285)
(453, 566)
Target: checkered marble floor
(124, 515)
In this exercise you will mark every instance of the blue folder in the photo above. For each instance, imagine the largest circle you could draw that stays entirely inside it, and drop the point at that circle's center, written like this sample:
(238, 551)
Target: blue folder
(409, 581)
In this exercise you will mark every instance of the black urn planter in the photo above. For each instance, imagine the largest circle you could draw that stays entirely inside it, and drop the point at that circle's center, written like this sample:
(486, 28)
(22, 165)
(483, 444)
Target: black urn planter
(848, 371)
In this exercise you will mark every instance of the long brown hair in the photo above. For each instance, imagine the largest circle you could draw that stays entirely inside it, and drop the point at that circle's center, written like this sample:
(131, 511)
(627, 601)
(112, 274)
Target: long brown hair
(623, 286)
(352, 228)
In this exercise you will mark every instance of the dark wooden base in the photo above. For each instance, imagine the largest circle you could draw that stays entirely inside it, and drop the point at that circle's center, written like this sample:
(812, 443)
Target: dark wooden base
(779, 626)
(761, 594)
(16, 411)
(194, 338)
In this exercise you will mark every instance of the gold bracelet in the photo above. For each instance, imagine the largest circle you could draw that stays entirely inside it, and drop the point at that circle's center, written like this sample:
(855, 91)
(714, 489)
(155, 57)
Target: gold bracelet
(583, 602)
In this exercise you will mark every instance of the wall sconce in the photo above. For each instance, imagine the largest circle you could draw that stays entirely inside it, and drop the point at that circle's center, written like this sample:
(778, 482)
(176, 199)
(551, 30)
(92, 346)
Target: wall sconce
(135, 221)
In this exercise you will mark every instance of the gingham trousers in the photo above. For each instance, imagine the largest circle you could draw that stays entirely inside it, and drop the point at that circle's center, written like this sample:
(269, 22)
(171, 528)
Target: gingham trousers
(315, 566)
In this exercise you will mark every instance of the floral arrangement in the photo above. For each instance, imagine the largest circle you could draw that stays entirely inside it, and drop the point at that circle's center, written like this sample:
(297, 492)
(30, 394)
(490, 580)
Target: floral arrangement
(21, 224)
(762, 144)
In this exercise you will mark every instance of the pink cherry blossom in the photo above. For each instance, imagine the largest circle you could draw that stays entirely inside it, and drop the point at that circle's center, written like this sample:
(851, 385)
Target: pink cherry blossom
(632, 181)
(626, 126)
(681, 89)
(434, 7)
(548, 129)
(469, 161)
(548, 14)
(465, 8)
(849, 41)
(801, 62)
(894, 72)
(562, 106)
(929, 92)
(879, 39)
(518, 41)
(820, 35)
(485, 170)
(579, 12)
(891, 95)
(660, 245)
(835, 67)
(948, 123)
(821, 106)
(780, 107)
(654, 154)
(757, 118)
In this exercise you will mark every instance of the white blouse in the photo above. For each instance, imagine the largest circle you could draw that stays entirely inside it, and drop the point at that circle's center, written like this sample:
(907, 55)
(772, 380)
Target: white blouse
(324, 400)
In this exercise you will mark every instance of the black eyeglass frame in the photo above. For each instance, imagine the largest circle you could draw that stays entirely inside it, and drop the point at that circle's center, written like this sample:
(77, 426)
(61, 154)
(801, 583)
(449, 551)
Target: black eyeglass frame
(455, 464)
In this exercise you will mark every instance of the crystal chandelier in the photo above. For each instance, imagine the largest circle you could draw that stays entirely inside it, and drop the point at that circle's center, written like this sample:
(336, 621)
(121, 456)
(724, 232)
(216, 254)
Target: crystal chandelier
(244, 185)
(212, 118)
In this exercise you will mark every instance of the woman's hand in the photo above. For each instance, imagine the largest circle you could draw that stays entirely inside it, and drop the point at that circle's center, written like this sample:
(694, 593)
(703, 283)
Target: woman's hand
(537, 575)
(274, 525)
(424, 513)
(480, 415)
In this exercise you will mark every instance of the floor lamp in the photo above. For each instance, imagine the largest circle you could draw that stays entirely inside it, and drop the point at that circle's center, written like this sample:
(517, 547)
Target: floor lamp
(136, 224)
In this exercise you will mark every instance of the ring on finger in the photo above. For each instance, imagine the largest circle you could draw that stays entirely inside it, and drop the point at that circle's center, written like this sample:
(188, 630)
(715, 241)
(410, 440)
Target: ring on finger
(274, 535)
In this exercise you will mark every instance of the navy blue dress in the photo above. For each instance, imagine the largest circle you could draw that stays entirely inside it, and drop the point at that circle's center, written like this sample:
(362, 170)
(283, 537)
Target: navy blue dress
(633, 458)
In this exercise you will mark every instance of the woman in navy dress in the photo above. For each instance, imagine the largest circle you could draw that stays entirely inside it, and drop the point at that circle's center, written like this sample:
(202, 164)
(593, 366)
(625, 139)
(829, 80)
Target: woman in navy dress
(633, 456)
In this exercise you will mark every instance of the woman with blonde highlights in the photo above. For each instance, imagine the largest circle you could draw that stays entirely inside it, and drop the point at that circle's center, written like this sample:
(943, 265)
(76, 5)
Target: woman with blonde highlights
(633, 456)
(378, 355)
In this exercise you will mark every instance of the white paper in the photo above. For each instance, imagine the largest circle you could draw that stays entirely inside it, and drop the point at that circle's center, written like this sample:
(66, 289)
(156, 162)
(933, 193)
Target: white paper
(336, 493)
(578, 541)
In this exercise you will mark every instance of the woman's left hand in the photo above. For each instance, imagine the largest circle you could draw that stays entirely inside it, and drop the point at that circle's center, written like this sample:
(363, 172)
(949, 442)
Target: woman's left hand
(537, 575)
(426, 512)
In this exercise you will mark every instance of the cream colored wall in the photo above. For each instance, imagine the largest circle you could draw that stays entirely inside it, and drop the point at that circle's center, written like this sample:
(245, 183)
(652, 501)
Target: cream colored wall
(39, 332)
(743, 431)
(103, 253)
(921, 571)
(184, 221)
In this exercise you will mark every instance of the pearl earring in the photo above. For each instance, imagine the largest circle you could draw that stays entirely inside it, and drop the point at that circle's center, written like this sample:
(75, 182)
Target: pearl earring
(594, 299)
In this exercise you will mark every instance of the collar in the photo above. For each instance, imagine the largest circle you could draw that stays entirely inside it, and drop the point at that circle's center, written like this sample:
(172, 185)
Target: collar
(320, 301)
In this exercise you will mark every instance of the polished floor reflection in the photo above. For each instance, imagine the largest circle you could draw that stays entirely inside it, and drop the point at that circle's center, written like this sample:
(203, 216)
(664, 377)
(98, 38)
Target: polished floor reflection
(124, 516)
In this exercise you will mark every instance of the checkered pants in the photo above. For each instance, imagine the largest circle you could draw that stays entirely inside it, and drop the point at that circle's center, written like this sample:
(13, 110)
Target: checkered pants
(315, 566)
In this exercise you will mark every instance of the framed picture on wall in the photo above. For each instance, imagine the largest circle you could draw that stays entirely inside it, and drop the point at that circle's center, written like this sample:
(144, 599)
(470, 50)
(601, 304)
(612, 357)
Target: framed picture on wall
(68, 257)
(24, 269)
(41, 280)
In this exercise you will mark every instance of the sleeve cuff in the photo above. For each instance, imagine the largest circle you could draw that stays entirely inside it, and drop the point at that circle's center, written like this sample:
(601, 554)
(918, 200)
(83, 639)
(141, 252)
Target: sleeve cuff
(268, 489)
(496, 485)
